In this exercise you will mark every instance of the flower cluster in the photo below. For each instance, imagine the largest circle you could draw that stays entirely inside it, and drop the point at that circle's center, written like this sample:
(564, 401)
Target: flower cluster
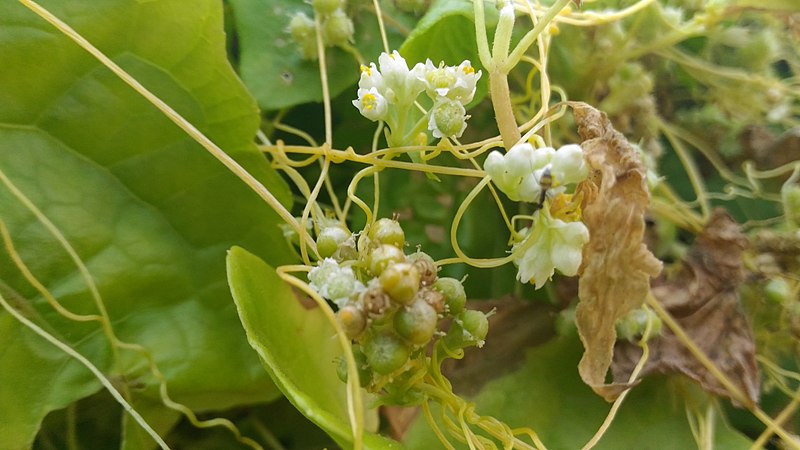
(392, 306)
(387, 91)
(556, 238)
(336, 27)
(519, 173)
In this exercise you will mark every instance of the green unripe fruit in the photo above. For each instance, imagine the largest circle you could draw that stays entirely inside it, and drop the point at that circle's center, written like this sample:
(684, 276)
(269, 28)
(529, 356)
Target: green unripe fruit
(475, 323)
(325, 7)
(329, 240)
(386, 353)
(364, 374)
(633, 325)
(337, 29)
(401, 282)
(387, 231)
(428, 271)
(384, 256)
(353, 321)
(453, 291)
(470, 328)
(416, 322)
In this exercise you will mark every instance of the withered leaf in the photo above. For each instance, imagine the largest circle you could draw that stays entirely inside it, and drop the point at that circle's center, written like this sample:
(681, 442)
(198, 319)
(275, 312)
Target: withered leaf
(703, 298)
(617, 266)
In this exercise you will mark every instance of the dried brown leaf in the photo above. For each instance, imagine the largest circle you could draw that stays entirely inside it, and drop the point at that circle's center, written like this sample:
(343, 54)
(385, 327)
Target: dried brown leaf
(617, 266)
(703, 298)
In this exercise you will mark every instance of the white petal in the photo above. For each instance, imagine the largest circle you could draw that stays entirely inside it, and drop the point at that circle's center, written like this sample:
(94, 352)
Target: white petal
(568, 165)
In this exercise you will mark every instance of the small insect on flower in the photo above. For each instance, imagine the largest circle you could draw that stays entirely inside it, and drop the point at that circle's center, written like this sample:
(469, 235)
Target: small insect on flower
(545, 183)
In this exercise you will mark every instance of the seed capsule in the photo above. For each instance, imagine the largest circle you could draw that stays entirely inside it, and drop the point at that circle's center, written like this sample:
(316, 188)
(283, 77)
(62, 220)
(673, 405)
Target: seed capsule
(364, 374)
(384, 256)
(329, 239)
(387, 231)
(433, 298)
(453, 291)
(376, 303)
(401, 282)
(386, 353)
(353, 321)
(426, 267)
(416, 322)
(325, 7)
(470, 328)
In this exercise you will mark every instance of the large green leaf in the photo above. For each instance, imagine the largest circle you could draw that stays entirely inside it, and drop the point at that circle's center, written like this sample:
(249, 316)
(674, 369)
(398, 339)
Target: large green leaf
(547, 395)
(148, 210)
(297, 346)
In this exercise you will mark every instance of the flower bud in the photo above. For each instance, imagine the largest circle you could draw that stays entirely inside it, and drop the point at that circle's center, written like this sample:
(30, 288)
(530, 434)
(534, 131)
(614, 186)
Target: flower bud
(301, 27)
(337, 28)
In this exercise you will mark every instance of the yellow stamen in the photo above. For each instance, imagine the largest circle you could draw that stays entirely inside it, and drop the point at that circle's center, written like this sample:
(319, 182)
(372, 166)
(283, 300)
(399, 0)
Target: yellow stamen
(369, 102)
(566, 207)
(367, 70)
(468, 70)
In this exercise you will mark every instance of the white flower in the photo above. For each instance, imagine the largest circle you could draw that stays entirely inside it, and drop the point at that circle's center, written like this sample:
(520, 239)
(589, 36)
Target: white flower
(438, 80)
(371, 104)
(556, 245)
(339, 284)
(466, 81)
(455, 83)
(370, 78)
(448, 119)
(510, 171)
(519, 172)
(402, 85)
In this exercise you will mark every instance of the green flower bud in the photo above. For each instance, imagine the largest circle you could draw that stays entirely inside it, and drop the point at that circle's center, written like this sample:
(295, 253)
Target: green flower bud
(325, 7)
(416, 322)
(401, 282)
(386, 353)
(453, 291)
(387, 231)
(337, 29)
(384, 256)
(329, 240)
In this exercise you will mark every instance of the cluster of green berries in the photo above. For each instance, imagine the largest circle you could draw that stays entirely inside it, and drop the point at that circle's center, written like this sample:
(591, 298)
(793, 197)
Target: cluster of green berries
(390, 304)
(336, 27)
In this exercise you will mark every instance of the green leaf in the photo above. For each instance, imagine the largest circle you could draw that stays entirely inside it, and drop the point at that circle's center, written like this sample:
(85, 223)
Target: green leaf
(297, 346)
(147, 209)
(271, 63)
(547, 395)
